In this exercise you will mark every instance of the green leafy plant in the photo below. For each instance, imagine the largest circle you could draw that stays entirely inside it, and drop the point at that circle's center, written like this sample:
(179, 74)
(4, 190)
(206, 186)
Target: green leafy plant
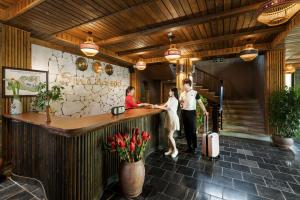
(45, 96)
(130, 147)
(14, 85)
(285, 112)
(200, 114)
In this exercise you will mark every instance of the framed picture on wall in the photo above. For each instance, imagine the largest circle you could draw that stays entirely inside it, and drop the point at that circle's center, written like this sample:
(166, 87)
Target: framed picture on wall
(28, 79)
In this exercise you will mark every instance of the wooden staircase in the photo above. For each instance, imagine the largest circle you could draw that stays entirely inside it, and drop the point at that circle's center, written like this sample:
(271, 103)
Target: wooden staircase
(210, 95)
(243, 116)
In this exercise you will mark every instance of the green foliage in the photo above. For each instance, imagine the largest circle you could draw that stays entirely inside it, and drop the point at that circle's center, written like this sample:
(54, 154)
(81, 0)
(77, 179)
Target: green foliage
(14, 85)
(45, 96)
(285, 112)
(200, 114)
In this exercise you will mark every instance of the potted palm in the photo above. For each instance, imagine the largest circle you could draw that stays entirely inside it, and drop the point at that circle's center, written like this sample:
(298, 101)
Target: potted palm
(200, 115)
(285, 116)
(45, 97)
(16, 105)
(130, 148)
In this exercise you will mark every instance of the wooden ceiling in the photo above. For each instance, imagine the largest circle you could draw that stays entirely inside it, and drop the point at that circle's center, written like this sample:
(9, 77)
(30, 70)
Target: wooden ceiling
(128, 29)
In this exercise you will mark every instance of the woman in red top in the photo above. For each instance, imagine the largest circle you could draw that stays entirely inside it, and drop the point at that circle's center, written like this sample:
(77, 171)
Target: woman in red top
(130, 101)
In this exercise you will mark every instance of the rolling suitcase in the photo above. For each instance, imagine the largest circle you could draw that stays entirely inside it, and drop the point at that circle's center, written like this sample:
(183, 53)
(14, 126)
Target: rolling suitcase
(210, 142)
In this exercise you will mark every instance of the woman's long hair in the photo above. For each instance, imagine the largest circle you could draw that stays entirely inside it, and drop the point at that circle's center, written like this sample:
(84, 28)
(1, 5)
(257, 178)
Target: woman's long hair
(129, 89)
(175, 91)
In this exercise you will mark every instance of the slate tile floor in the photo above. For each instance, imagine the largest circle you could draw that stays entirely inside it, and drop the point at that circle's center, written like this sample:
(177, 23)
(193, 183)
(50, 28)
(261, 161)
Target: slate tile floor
(12, 191)
(247, 170)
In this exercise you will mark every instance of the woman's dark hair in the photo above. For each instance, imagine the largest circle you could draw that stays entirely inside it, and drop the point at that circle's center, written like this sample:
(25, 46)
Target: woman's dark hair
(187, 81)
(129, 89)
(175, 91)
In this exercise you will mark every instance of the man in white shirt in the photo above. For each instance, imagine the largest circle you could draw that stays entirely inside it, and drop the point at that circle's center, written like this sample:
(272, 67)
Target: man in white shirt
(188, 100)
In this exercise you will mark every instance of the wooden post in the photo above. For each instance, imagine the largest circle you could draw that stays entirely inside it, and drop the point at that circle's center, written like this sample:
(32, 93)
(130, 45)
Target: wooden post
(274, 79)
(183, 71)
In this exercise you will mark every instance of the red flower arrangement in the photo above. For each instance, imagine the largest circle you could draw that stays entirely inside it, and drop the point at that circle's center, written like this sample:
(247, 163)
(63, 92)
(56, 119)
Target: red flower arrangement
(130, 147)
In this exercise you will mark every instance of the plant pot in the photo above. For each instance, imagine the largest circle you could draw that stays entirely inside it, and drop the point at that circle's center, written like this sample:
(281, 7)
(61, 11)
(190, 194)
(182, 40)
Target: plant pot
(16, 106)
(131, 178)
(48, 114)
(282, 142)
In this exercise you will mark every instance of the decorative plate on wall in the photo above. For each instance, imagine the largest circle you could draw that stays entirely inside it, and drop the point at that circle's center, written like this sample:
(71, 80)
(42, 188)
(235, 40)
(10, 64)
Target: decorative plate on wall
(97, 68)
(81, 63)
(109, 69)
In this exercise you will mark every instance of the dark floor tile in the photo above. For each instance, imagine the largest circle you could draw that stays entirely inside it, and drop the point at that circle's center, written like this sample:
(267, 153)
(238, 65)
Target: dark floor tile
(249, 163)
(158, 196)
(232, 173)
(282, 176)
(230, 149)
(172, 177)
(21, 196)
(297, 178)
(291, 196)
(254, 158)
(185, 171)
(215, 198)
(260, 154)
(269, 193)
(212, 189)
(224, 164)
(176, 191)
(182, 162)
(190, 182)
(158, 172)
(156, 155)
(278, 184)
(202, 175)
(231, 159)
(253, 197)
(238, 155)
(267, 166)
(232, 194)
(222, 180)
(158, 183)
(241, 168)
(272, 161)
(169, 166)
(295, 187)
(202, 196)
(154, 162)
(288, 170)
(253, 179)
(244, 186)
(225, 153)
(197, 165)
(261, 172)
(215, 170)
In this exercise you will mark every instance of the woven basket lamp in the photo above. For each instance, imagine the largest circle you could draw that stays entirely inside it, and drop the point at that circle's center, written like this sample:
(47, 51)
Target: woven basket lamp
(289, 69)
(276, 12)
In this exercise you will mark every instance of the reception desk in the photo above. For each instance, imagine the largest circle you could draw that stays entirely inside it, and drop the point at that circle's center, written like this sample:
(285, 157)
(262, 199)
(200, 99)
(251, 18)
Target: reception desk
(67, 154)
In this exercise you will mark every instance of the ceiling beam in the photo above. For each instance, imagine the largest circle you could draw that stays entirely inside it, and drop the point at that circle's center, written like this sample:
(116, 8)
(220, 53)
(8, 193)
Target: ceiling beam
(19, 8)
(210, 53)
(279, 39)
(181, 23)
(237, 36)
(77, 41)
(120, 12)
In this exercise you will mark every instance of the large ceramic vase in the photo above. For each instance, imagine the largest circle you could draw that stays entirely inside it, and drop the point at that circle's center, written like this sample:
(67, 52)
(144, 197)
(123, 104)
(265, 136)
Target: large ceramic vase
(282, 142)
(16, 106)
(131, 178)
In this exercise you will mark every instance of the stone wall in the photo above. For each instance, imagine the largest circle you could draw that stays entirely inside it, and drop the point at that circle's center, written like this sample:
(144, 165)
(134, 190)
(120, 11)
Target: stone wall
(85, 93)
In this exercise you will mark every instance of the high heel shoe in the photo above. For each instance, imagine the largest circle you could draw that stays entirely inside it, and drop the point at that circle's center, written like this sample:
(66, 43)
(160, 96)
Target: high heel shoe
(174, 154)
(168, 152)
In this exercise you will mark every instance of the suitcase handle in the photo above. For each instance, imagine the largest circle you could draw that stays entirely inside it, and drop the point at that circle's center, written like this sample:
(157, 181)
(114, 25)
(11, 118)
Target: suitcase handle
(206, 124)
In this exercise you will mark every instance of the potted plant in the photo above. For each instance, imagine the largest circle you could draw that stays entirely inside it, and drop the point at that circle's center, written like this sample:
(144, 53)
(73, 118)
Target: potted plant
(285, 116)
(16, 105)
(5, 170)
(130, 148)
(200, 115)
(45, 97)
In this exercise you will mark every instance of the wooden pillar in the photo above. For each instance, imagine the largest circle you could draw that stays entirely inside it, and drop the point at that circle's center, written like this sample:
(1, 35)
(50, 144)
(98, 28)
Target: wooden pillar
(183, 71)
(15, 51)
(274, 79)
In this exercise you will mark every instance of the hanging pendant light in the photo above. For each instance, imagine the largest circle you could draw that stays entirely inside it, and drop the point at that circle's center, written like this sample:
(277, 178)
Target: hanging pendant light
(172, 53)
(289, 69)
(140, 65)
(249, 53)
(89, 48)
(276, 12)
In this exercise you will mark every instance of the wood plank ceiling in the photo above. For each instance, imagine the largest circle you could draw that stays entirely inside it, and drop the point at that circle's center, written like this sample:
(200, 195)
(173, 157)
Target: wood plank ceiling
(129, 29)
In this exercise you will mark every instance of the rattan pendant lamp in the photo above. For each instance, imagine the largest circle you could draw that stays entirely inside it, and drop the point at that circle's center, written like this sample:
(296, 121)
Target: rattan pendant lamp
(276, 12)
